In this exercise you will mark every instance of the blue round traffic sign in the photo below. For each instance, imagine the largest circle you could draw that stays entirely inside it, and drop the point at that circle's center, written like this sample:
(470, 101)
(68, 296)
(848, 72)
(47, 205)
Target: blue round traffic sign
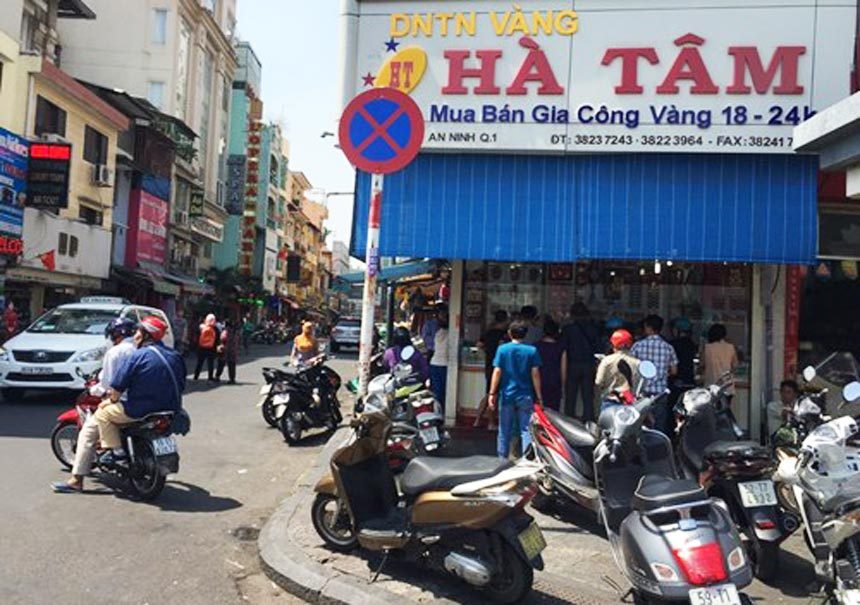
(381, 130)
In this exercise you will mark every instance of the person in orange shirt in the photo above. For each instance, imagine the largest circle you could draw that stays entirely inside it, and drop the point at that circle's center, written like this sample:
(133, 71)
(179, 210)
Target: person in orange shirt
(207, 344)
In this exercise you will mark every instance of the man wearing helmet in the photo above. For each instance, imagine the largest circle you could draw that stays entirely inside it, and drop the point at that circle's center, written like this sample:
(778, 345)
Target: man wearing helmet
(119, 332)
(618, 372)
(152, 379)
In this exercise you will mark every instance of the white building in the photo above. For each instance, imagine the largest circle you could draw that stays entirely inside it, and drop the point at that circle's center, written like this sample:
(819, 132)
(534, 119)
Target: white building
(340, 258)
(179, 55)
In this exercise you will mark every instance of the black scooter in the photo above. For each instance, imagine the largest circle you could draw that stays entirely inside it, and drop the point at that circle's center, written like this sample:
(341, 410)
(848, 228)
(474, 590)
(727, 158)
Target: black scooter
(737, 471)
(306, 398)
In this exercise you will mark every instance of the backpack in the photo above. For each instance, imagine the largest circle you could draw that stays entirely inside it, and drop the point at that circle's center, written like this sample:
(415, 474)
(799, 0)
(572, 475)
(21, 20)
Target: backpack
(207, 337)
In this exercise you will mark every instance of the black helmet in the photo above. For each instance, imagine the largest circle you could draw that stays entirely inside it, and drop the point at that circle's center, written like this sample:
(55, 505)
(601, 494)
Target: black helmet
(121, 326)
(401, 338)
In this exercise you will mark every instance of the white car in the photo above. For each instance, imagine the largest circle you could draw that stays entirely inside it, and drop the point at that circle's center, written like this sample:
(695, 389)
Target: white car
(64, 345)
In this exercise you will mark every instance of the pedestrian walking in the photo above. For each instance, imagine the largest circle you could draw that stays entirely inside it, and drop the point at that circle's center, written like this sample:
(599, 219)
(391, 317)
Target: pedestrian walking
(553, 372)
(180, 332)
(207, 343)
(720, 359)
(439, 359)
(659, 352)
(580, 341)
(515, 388)
(228, 351)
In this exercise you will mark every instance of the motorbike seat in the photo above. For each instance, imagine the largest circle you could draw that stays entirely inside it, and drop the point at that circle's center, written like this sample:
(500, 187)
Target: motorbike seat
(153, 416)
(655, 492)
(745, 449)
(426, 474)
(576, 433)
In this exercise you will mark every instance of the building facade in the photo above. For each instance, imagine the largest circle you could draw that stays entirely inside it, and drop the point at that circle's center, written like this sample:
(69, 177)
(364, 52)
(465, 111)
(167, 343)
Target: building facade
(636, 175)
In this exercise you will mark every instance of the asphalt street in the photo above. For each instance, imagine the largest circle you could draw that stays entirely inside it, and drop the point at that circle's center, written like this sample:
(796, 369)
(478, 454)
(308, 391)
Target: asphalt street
(195, 544)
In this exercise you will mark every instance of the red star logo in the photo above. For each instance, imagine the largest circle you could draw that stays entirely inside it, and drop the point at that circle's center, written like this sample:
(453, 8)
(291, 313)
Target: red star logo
(368, 79)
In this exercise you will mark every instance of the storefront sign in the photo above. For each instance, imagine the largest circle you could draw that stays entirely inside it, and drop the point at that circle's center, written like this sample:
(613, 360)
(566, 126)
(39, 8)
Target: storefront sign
(195, 206)
(13, 182)
(48, 175)
(208, 229)
(252, 180)
(235, 185)
(793, 289)
(147, 233)
(635, 75)
(11, 246)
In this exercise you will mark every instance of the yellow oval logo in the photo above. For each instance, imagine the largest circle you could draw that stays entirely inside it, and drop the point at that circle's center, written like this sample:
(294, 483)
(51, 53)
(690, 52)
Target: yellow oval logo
(403, 70)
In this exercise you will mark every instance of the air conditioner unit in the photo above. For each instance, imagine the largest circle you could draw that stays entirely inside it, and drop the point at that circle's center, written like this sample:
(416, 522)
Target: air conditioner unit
(102, 176)
(50, 137)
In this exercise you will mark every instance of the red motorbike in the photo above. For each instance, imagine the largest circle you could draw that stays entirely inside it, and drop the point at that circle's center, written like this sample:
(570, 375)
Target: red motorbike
(64, 437)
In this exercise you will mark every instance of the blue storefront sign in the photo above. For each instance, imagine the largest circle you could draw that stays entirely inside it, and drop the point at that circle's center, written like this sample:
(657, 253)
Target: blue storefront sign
(13, 182)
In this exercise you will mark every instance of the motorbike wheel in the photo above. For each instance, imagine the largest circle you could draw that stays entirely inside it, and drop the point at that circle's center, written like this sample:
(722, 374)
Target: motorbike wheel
(269, 413)
(514, 581)
(764, 558)
(332, 522)
(291, 429)
(64, 441)
(146, 479)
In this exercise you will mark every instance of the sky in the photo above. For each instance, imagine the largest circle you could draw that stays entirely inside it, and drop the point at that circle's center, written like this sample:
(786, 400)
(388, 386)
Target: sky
(297, 41)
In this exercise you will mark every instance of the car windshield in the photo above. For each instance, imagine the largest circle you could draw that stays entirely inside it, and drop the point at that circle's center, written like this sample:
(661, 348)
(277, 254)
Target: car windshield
(73, 321)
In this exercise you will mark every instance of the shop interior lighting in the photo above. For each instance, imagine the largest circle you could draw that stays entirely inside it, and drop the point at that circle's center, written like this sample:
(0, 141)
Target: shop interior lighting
(642, 271)
(669, 263)
(657, 267)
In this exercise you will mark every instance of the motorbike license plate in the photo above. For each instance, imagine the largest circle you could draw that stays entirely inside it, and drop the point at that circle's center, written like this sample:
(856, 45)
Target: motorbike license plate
(264, 390)
(164, 446)
(36, 370)
(532, 541)
(757, 493)
(430, 435)
(725, 594)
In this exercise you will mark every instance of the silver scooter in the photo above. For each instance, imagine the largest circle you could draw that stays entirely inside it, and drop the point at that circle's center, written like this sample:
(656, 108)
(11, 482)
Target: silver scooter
(672, 542)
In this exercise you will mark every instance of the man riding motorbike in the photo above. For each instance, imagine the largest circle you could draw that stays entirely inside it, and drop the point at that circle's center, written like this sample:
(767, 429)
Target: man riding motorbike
(153, 377)
(400, 340)
(119, 332)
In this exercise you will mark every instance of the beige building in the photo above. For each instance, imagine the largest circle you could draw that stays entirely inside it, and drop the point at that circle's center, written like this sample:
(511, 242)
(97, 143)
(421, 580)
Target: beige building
(180, 57)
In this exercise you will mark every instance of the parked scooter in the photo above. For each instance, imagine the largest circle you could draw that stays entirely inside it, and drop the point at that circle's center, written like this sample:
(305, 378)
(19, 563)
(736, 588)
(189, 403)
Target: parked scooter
(670, 539)
(461, 516)
(738, 472)
(308, 399)
(825, 485)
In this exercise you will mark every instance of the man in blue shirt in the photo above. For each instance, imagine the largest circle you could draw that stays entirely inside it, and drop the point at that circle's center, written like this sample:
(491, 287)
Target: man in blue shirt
(153, 378)
(516, 376)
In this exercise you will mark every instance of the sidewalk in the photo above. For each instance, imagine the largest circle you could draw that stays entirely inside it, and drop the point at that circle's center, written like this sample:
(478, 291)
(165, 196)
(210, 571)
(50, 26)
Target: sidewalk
(579, 566)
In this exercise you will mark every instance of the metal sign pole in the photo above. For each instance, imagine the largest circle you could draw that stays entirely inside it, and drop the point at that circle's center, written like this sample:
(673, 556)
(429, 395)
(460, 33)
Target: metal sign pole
(368, 301)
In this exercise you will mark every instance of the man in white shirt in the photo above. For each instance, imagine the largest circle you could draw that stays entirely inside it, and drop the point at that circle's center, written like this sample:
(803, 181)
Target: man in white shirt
(120, 332)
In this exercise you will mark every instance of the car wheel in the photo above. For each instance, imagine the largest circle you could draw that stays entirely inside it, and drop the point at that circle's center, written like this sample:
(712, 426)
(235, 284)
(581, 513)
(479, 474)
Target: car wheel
(13, 395)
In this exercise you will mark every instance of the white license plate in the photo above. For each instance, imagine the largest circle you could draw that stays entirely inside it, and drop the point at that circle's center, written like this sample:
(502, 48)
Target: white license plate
(282, 399)
(36, 370)
(757, 493)
(532, 541)
(430, 435)
(725, 594)
(264, 390)
(164, 446)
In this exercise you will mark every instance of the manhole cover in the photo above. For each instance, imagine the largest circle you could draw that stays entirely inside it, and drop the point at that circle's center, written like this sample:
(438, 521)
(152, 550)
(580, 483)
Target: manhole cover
(551, 592)
(245, 533)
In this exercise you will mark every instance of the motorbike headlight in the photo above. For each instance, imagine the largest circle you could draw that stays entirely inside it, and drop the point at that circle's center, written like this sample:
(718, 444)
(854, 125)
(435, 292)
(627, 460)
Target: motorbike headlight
(90, 355)
(4, 355)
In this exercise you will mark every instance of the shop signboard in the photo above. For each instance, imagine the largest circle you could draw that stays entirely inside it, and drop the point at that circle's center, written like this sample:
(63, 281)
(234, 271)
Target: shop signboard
(196, 204)
(13, 185)
(208, 228)
(48, 175)
(235, 185)
(248, 238)
(623, 75)
(147, 239)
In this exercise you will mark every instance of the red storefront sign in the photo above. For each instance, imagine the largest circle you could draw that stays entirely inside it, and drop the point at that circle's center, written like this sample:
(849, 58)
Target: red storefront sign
(252, 178)
(793, 288)
(147, 233)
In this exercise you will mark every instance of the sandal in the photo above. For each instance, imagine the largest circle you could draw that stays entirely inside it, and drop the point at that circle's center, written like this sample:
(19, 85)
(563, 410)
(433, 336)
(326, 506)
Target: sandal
(62, 487)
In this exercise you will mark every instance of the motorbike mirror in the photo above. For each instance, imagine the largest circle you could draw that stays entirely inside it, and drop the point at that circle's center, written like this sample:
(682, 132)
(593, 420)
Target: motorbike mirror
(808, 373)
(407, 353)
(647, 369)
(851, 392)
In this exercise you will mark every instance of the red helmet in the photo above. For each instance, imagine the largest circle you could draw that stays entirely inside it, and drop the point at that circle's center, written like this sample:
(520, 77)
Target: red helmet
(621, 339)
(155, 327)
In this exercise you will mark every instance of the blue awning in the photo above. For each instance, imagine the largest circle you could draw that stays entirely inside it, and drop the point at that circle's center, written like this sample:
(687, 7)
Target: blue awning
(394, 272)
(691, 207)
